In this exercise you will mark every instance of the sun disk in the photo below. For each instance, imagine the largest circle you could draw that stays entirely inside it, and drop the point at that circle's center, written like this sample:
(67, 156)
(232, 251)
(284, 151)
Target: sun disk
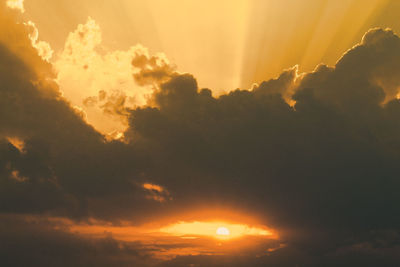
(223, 231)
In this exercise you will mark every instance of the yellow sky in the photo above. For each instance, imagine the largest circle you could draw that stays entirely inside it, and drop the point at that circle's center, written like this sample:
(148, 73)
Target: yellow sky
(110, 56)
(225, 44)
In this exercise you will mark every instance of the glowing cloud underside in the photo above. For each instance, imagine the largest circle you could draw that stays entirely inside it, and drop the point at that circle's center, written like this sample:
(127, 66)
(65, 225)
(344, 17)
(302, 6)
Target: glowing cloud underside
(193, 238)
(214, 229)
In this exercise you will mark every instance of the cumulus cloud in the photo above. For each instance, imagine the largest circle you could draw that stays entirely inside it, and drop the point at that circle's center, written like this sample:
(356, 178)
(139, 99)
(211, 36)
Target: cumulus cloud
(57, 143)
(327, 162)
(313, 155)
(285, 85)
(16, 4)
(113, 80)
(149, 69)
(43, 48)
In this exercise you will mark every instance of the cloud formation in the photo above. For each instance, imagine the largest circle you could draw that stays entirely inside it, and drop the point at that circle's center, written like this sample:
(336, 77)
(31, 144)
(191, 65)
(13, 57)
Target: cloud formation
(313, 155)
(326, 165)
(16, 4)
(43, 48)
(113, 80)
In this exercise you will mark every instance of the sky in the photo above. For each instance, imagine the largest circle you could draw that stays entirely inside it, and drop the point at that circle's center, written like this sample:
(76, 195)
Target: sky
(199, 133)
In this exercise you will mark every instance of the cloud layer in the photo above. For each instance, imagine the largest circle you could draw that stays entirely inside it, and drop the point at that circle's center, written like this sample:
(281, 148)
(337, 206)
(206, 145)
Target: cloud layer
(313, 155)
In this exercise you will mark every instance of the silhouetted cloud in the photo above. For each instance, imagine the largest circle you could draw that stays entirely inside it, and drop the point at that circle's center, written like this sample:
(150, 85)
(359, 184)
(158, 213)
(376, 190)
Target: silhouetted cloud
(26, 242)
(313, 155)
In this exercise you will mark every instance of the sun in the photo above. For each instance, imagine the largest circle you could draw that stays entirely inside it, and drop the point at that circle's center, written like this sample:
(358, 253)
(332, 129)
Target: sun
(223, 231)
(217, 229)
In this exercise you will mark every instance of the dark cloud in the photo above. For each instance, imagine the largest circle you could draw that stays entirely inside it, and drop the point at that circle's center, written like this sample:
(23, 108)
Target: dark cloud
(313, 155)
(151, 70)
(327, 164)
(29, 242)
(111, 104)
(62, 153)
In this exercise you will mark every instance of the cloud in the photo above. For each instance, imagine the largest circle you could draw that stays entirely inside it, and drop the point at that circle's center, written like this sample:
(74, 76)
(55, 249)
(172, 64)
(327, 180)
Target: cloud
(43, 48)
(151, 70)
(113, 80)
(285, 85)
(313, 155)
(156, 192)
(328, 163)
(56, 157)
(16, 4)
(44, 242)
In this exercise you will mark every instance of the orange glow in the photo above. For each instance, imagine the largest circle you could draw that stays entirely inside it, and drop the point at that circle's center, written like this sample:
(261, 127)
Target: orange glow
(157, 192)
(17, 176)
(17, 143)
(192, 238)
(153, 187)
(185, 230)
(214, 229)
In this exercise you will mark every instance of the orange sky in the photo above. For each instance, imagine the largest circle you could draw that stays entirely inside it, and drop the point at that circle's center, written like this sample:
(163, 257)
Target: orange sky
(192, 237)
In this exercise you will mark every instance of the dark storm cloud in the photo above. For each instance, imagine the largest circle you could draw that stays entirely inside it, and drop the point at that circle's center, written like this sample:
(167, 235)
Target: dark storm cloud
(338, 124)
(64, 161)
(324, 172)
(327, 165)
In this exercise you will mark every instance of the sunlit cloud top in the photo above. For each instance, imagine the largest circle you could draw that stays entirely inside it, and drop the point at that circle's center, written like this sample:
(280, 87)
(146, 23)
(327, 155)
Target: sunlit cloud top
(16, 4)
